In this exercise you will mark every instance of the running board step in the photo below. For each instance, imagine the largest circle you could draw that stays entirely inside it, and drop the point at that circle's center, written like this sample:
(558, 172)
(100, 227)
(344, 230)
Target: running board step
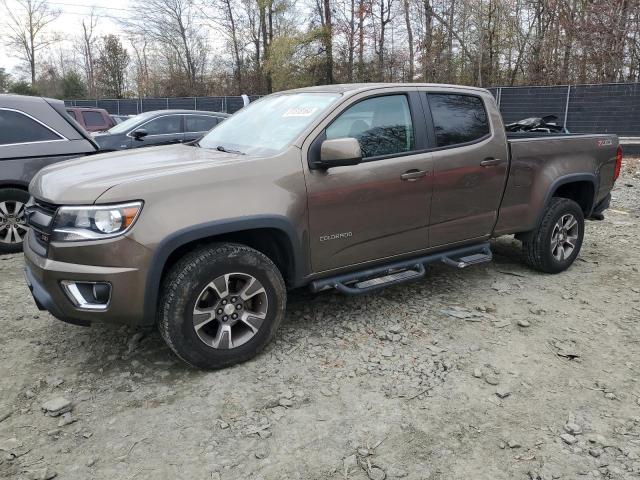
(392, 278)
(401, 271)
(468, 260)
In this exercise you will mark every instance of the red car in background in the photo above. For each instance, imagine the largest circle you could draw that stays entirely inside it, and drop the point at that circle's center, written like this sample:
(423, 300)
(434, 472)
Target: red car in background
(91, 119)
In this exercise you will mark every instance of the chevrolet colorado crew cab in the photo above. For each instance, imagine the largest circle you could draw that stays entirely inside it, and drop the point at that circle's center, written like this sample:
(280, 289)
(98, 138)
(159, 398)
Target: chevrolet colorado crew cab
(353, 187)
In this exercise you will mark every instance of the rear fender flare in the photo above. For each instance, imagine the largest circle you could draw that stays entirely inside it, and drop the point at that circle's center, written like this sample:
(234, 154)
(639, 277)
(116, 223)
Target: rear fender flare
(565, 179)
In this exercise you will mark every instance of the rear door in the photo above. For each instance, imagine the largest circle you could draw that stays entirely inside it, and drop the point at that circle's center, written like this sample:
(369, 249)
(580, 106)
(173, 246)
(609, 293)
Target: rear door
(379, 208)
(470, 166)
(195, 126)
(163, 130)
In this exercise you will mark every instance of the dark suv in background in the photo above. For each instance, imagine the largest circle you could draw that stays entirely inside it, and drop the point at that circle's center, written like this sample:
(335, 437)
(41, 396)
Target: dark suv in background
(34, 132)
(160, 127)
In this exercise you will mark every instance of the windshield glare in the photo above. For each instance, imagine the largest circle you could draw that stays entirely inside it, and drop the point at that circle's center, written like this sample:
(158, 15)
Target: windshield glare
(129, 123)
(268, 125)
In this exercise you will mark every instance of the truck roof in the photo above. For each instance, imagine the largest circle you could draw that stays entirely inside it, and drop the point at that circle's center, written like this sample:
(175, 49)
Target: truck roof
(362, 87)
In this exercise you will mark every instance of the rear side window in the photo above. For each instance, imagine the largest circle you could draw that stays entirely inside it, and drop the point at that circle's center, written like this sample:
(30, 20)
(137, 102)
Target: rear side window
(458, 118)
(382, 126)
(163, 125)
(73, 114)
(93, 119)
(15, 127)
(195, 123)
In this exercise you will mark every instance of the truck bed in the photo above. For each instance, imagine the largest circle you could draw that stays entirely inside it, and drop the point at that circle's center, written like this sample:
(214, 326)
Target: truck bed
(539, 163)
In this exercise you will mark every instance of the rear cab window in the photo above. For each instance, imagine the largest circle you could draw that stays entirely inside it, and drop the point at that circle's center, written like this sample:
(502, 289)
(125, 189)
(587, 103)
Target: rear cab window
(382, 125)
(458, 119)
(16, 127)
(93, 119)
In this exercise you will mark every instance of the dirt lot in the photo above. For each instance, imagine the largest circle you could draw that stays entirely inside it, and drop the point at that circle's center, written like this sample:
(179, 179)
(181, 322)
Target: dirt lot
(493, 372)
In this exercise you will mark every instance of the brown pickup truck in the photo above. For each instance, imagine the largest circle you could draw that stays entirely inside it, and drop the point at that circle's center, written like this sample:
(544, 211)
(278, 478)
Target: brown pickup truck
(353, 187)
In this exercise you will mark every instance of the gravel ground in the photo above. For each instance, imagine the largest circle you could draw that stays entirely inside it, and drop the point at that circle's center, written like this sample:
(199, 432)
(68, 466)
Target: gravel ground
(492, 372)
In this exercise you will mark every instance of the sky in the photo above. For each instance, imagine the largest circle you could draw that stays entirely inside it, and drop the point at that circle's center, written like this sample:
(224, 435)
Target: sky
(68, 24)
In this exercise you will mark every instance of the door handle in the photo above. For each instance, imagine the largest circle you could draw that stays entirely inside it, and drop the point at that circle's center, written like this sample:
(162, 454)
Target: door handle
(490, 162)
(411, 175)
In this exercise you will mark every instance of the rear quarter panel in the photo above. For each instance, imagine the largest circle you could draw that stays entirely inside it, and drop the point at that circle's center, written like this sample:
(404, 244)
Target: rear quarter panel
(540, 165)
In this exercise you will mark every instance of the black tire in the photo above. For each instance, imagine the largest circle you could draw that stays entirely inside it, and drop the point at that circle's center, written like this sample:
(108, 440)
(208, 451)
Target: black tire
(537, 245)
(185, 285)
(10, 197)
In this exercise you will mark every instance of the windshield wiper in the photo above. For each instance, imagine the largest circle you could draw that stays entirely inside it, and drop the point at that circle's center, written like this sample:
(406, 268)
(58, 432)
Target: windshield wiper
(220, 148)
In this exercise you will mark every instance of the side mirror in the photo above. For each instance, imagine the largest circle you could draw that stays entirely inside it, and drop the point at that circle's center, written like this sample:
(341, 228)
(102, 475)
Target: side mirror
(339, 152)
(140, 133)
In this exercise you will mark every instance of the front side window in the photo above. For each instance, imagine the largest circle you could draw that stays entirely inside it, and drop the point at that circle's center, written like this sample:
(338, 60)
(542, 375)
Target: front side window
(196, 123)
(382, 126)
(458, 118)
(163, 125)
(93, 119)
(16, 127)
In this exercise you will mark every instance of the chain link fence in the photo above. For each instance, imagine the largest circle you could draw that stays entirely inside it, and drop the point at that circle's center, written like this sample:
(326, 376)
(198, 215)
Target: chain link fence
(606, 108)
(134, 106)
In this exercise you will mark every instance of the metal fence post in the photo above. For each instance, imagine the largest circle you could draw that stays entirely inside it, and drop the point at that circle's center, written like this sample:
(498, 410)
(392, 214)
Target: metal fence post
(499, 97)
(118, 103)
(566, 106)
(195, 103)
(167, 103)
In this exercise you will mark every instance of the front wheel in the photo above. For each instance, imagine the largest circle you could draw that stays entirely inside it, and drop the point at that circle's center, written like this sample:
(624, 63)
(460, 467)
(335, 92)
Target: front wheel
(555, 244)
(221, 305)
(13, 227)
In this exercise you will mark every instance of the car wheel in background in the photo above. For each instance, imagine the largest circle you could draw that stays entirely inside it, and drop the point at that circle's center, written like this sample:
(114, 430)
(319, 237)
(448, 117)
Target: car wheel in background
(220, 305)
(13, 227)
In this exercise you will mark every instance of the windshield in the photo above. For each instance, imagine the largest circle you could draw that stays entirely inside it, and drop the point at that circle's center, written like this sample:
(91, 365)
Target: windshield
(268, 125)
(130, 123)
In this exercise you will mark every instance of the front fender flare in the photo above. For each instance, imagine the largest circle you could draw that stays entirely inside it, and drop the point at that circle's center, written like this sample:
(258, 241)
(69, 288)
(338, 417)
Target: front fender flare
(210, 229)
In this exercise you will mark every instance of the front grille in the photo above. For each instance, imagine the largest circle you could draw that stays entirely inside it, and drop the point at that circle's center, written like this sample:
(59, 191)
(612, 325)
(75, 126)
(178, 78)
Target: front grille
(40, 217)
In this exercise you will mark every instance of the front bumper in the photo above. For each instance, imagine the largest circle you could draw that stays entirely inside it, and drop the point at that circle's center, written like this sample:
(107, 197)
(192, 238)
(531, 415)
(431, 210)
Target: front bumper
(126, 306)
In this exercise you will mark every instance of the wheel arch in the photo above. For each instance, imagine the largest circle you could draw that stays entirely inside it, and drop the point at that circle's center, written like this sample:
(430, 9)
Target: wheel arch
(579, 187)
(274, 236)
(14, 184)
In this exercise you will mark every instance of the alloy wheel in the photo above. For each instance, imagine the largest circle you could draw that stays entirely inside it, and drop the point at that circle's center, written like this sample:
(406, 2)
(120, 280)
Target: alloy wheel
(230, 310)
(564, 237)
(12, 222)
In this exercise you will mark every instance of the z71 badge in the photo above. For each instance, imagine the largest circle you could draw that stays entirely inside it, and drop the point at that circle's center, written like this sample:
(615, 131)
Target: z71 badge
(605, 143)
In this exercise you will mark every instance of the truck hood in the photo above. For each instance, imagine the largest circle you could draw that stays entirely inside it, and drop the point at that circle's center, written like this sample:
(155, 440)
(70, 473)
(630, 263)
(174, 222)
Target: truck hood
(83, 180)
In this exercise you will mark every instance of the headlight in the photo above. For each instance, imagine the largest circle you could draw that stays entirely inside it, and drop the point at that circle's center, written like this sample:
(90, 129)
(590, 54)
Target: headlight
(94, 222)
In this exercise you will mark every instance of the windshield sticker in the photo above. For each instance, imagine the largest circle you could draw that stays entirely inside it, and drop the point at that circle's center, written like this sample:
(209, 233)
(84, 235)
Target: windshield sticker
(300, 112)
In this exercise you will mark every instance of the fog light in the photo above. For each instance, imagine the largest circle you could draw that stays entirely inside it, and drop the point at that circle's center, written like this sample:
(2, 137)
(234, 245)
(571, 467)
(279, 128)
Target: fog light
(88, 295)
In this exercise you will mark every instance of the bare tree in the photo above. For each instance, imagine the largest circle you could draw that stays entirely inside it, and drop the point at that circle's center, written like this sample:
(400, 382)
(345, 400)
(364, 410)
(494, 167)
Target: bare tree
(87, 46)
(172, 24)
(383, 14)
(27, 24)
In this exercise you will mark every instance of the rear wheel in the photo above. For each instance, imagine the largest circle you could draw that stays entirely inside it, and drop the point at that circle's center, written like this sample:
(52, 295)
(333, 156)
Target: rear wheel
(13, 227)
(221, 305)
(555, 244)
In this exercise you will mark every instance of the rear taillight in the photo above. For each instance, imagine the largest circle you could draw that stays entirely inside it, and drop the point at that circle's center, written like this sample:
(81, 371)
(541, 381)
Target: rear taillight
(616, 172)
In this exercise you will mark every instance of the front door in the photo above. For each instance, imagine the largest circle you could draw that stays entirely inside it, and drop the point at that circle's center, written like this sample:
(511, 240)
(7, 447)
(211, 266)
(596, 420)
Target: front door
(379, 208)
(470, 168)
(163, 130)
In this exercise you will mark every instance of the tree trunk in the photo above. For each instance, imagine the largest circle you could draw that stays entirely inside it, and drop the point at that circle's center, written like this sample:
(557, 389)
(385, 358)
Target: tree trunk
(407, 19)
(328, 42)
